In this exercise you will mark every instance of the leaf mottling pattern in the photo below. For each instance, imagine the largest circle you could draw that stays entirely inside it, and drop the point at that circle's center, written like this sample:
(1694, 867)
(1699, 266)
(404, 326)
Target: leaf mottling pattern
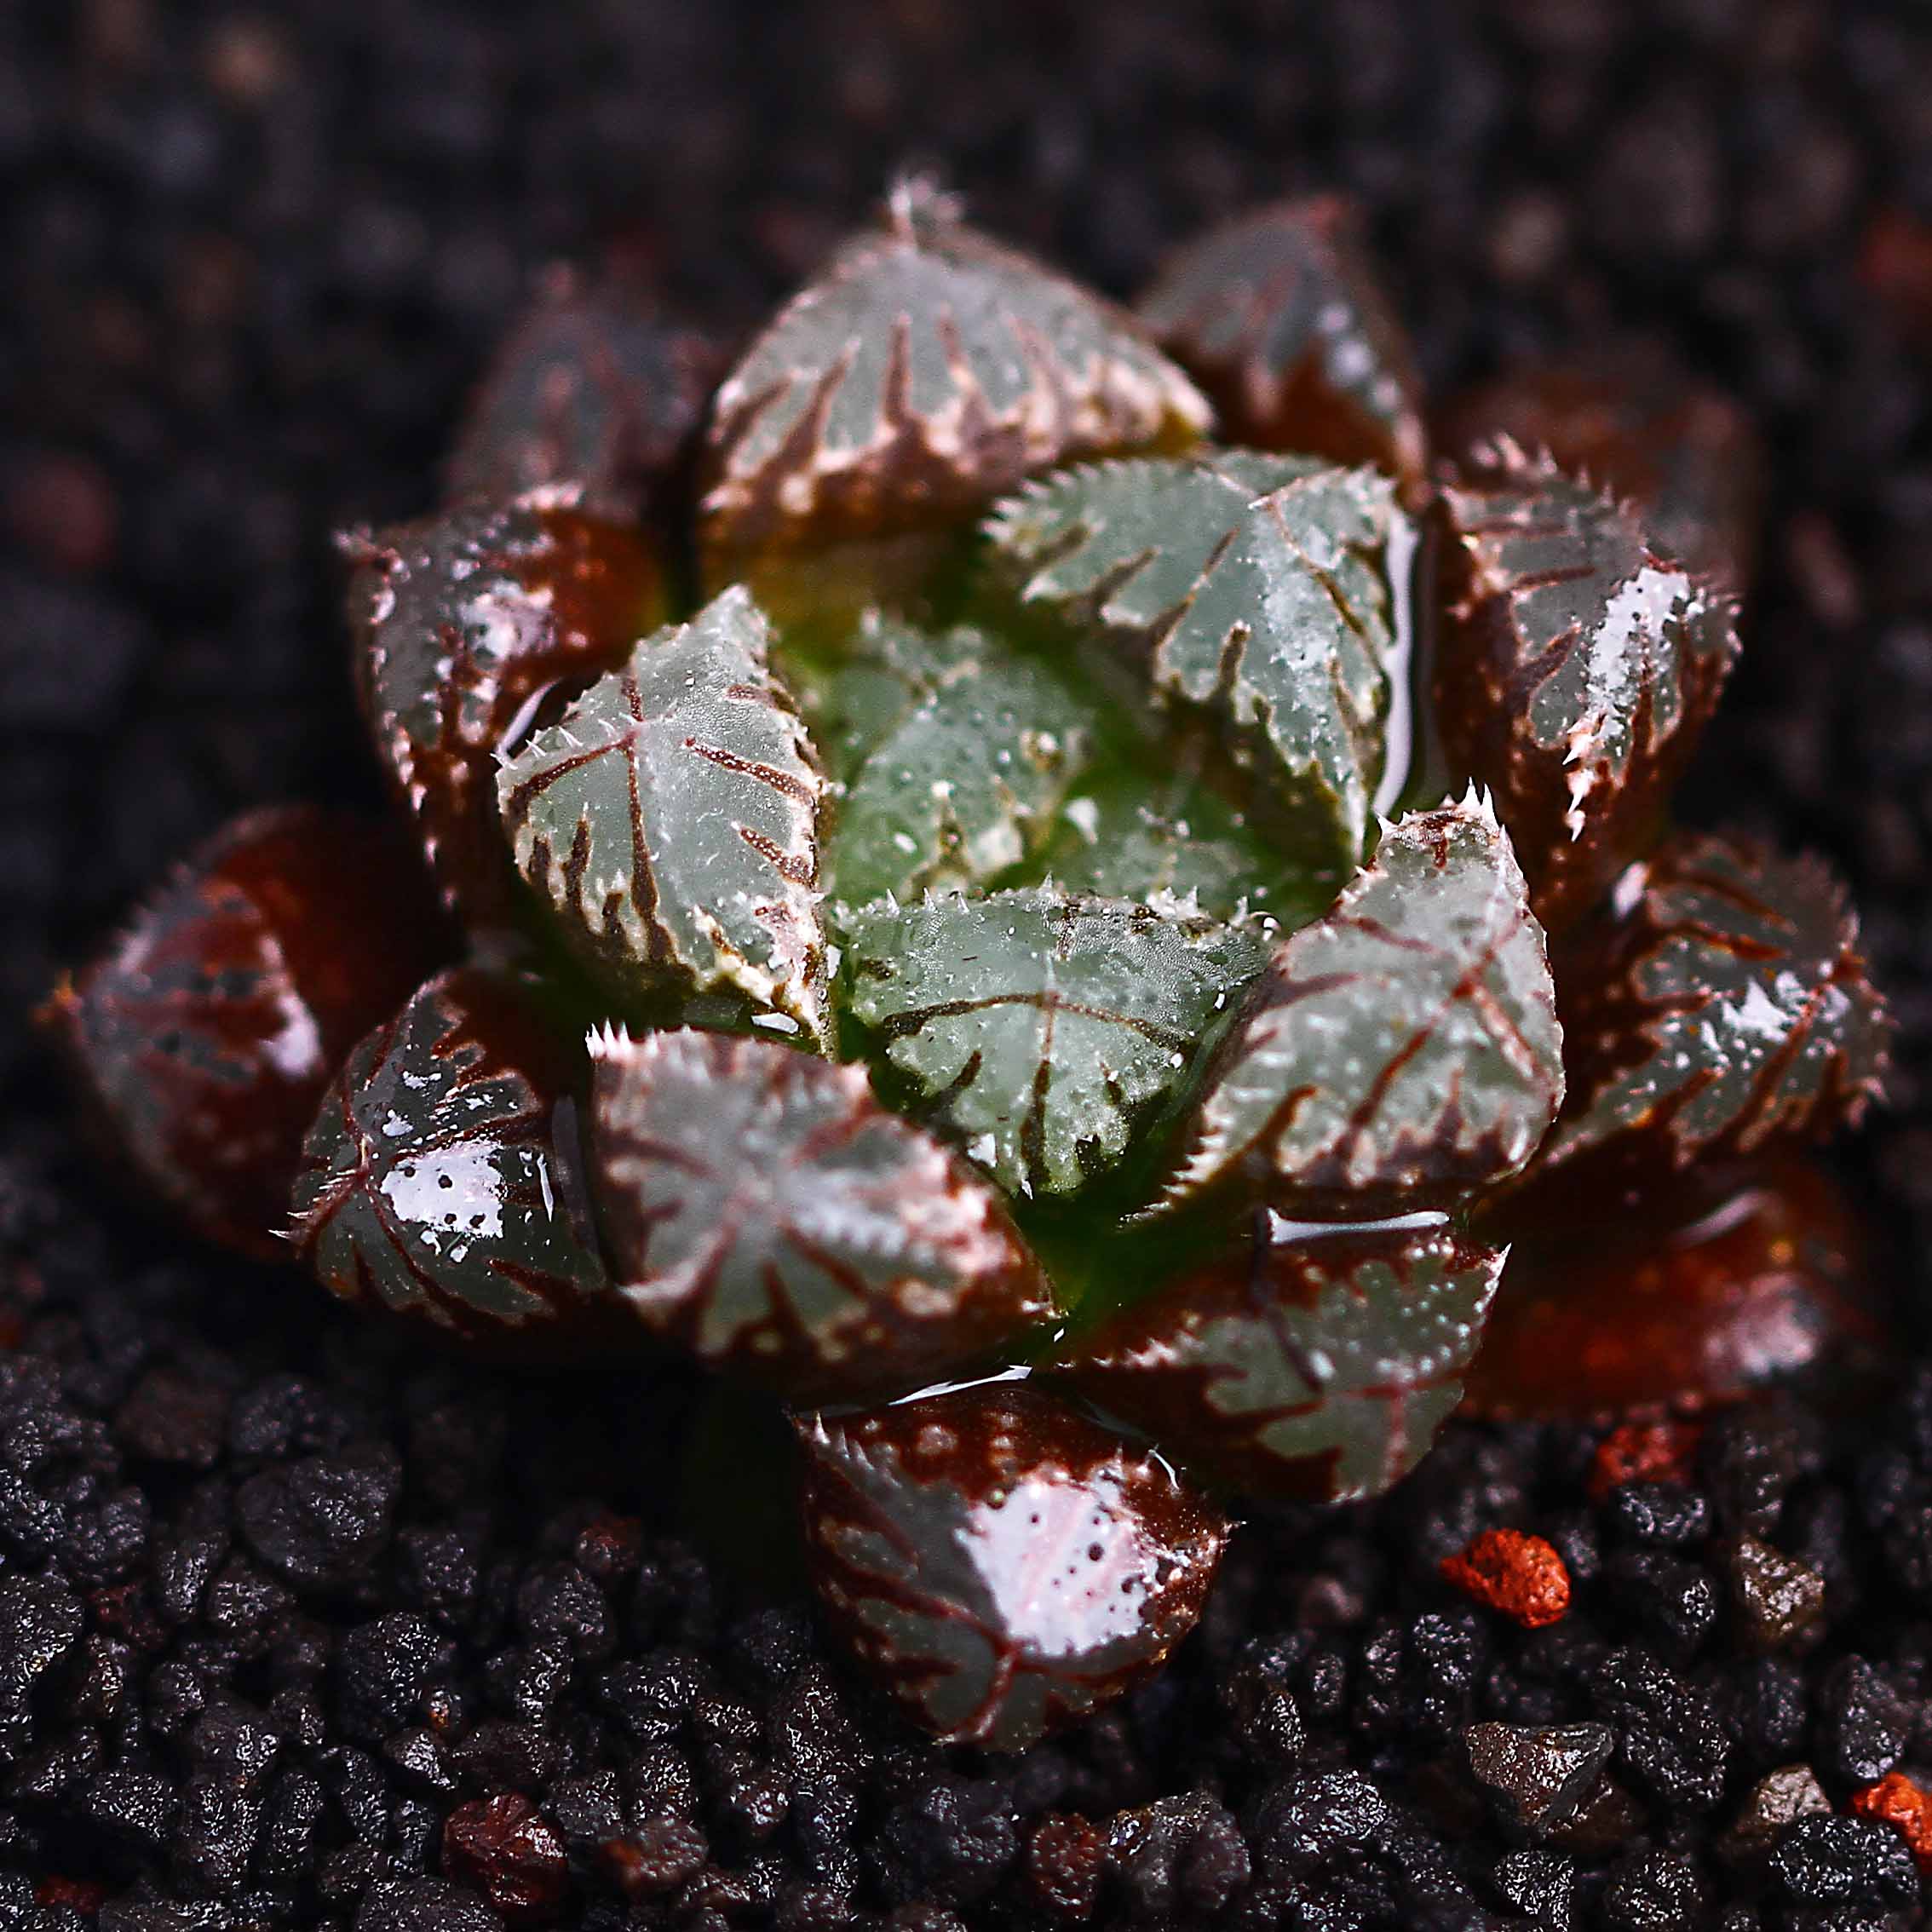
(1259, 587)
(1406, 1044)
(1001, 1562)
(765, 1210)
(1278, 315)
(1320, 1364)
(923, 372)
(1575, 672)
(1728, 1009)
(1042, 1029)
(670, 821)
(433, 1184)
(962, 785)
(462, 620)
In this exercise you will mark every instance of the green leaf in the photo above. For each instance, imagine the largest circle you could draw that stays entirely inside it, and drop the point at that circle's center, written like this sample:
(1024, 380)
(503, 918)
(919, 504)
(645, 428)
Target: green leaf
(1728, 1007)
(923, 372)
(1278, 315)
(1320, 1364)
(856, 695)
(1260, 585)
(1406, 1044)
(433, 1182)
(1575, 672)
(1125, 831)
(670, 821)
(1041, 1029)
(963, 787)
(765, 1210)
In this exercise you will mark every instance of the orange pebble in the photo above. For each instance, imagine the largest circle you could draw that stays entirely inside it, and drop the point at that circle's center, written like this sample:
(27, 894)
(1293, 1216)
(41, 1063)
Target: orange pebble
(1895, 1800)
(1638, 1452)
(1521, 1576)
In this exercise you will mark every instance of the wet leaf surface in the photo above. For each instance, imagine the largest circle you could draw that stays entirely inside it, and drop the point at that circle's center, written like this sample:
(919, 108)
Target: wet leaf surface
(1575, 671)
(763, 1209)
(963, 784)
(1320, 1363)
(1001, 1563)
(1727, 1008)
(1278, 315)
(669, 820)
(1679, 1298)
(924, 371)
(1258, 586)
(205, 1036)
(462, 622)
(1042, 1030)
(440, 1177)
(1404, 1046)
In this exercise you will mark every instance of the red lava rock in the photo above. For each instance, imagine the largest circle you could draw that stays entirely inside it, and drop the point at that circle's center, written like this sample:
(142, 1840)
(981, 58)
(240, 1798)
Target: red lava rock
(662, 1854)
(1642, 1451)
(1065, 1857)
(507, 1849)
(1521, 1576)
(1896, 1800)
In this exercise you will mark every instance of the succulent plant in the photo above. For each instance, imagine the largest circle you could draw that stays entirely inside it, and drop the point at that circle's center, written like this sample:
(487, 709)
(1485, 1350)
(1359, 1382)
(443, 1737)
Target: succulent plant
(1067, 952)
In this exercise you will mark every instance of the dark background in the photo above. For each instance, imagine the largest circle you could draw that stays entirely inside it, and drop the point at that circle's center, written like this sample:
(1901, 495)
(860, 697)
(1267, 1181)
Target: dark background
(251, 259)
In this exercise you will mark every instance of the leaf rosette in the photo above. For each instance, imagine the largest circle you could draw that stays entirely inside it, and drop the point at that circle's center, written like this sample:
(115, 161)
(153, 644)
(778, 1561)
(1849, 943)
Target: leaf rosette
(1019, 888)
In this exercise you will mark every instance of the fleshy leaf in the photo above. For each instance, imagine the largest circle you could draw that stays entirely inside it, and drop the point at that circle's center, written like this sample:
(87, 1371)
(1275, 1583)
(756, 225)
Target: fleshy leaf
(1001, 1563)
(462, 622)
(206, 1034)
(1680, 1295)
(434, 1184)
(924, 371)
(1321, 1364)
(1261, 585)
(1125, 831)
(1404, 1046)
(669, 820)
(592, 387)
(1683, 452)
(1278, 315)
(763, 1209)
(962, 787)
(1041, 1029)
(1574, 674)
(1727, 1007)
(855, 696)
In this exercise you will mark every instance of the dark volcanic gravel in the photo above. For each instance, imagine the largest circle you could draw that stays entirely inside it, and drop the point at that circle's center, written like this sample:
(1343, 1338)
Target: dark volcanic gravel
(299, 1627)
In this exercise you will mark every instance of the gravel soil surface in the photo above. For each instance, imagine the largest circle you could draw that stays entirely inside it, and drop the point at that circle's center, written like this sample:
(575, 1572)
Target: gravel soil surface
(298, 1627)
